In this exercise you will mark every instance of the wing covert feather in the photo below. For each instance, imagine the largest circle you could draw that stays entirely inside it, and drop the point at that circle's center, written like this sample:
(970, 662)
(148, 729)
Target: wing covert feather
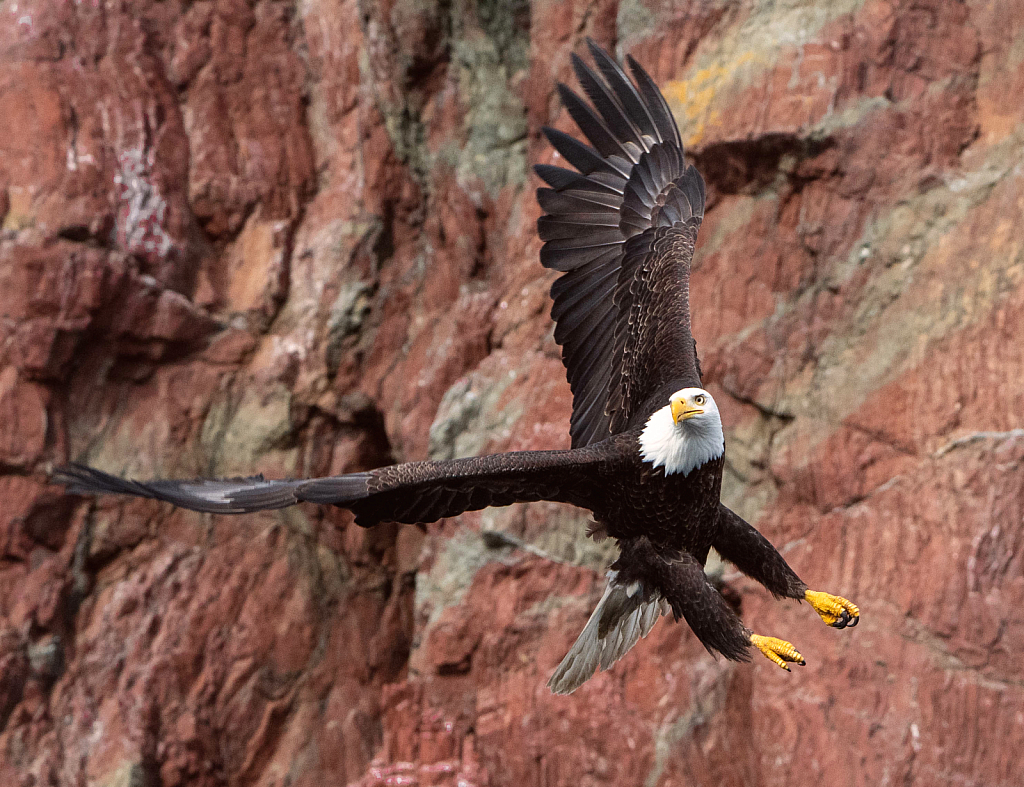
(652, 293)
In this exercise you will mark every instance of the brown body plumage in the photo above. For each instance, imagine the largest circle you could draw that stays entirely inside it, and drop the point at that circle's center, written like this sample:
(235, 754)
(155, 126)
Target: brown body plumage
(647, 447)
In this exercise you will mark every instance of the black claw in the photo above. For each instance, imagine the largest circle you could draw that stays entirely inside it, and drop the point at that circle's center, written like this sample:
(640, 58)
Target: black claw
(844, 620)
(854, 621)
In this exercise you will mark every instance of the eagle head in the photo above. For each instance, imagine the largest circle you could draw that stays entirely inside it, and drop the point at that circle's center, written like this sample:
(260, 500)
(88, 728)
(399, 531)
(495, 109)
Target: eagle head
(684, 434)
(692, 403)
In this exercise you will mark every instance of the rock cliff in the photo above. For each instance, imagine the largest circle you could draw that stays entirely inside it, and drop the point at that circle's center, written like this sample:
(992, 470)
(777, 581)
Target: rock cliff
(298, 238)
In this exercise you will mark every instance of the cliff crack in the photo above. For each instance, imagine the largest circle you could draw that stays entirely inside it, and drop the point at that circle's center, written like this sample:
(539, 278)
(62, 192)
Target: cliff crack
(977, 437)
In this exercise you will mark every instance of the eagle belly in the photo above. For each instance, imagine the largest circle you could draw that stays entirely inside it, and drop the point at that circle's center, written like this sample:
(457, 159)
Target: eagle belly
(665, 526)
(674, 512)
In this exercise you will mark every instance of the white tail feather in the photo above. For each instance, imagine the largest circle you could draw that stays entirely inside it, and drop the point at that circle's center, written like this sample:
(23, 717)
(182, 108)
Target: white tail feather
(625, 618)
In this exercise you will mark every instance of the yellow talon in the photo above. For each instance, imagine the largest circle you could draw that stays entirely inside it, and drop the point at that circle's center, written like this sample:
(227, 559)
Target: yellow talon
(777, 650)
(834, 610)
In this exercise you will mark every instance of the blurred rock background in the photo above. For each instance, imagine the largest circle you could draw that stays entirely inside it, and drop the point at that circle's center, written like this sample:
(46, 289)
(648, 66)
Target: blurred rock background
(298, 238)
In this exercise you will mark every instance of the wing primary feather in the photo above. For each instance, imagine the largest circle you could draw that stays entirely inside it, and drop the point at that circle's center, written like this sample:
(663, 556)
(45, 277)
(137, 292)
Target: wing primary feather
(565, 203)
(212, 496)
(591, 124)
(597, 286)
(583, 378)
(625, 90)
(583, 157)
(572, 226)
(336, 490)
(566, 284)
(612, 181)
(607, 197)
(561, 179)
(569, 330)
(597, 239)
(591, 353)
(584, 427)
(616, 120)
(655, 103)
(590, 391)
(586, 382)
(567, 259)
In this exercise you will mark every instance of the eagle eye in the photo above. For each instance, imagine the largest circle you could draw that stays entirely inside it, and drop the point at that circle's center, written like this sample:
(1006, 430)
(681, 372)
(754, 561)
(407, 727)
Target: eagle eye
(700, 399)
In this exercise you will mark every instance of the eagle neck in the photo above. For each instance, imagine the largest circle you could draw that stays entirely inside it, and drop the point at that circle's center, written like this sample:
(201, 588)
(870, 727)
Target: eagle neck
(682, 447)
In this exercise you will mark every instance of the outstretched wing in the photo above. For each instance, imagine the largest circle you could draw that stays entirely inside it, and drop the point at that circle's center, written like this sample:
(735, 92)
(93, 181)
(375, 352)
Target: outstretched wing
(622, 230)
(415, 492)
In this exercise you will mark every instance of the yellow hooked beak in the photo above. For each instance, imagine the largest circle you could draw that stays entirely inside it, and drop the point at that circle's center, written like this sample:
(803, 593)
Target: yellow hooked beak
(681, 410)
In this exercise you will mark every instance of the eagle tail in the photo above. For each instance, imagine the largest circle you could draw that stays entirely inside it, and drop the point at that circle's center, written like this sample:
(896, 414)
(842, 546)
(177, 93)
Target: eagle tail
(624, 614)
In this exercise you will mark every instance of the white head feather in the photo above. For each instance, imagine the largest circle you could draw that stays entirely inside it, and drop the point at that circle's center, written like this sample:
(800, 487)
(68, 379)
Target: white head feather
(684, 434)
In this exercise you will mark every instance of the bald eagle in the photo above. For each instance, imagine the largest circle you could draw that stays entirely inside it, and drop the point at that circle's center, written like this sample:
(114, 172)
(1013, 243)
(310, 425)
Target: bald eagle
(647, 444)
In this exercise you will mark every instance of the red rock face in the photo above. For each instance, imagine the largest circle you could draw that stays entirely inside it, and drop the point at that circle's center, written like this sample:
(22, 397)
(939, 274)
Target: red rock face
(299, 239)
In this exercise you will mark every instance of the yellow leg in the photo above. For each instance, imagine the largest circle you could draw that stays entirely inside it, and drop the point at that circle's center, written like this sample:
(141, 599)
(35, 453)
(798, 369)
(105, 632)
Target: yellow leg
(834, 610)
(777, 650)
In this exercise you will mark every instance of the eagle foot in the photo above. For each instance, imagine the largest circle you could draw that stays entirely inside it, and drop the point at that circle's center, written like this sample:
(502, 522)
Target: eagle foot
(777, 650)
(836, 611)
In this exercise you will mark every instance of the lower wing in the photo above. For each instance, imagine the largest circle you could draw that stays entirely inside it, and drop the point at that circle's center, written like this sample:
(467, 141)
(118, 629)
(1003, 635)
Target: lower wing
(413, 493)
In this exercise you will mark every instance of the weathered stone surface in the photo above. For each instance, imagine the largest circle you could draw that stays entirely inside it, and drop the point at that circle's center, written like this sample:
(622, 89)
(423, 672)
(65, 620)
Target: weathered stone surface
(298, 238)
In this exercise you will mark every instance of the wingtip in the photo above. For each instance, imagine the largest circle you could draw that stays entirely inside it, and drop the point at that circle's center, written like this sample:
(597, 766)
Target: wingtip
(580, 67)
(567, 94)
(599, 53)
(80, 479)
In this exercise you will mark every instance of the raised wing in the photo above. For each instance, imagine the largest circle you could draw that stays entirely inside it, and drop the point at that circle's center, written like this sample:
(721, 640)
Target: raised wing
(621, 307)
(415, 492)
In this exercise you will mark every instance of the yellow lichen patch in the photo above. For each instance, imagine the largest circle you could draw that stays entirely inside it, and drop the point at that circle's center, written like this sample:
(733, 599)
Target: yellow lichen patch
(19, 209)
(693, 98)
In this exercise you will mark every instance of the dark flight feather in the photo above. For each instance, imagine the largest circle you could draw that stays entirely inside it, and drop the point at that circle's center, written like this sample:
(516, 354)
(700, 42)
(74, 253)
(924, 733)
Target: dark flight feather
(592, 126)
(627, 93)
(583, 157)
(573, 225)
(566, 180)
(572, 203)
(213, 496)
(656, 105)
(617, 121)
